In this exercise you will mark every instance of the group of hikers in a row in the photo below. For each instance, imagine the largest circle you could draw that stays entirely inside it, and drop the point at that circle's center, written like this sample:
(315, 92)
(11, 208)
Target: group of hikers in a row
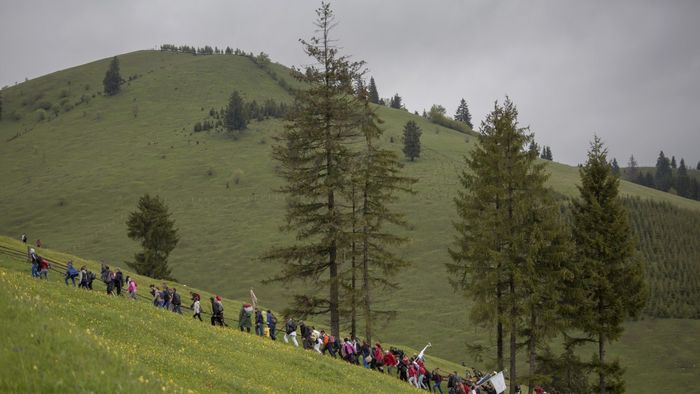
(393, 361)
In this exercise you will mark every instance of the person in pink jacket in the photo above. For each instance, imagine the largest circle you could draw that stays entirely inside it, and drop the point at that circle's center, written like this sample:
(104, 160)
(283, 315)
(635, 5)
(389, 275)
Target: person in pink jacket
(131, 288)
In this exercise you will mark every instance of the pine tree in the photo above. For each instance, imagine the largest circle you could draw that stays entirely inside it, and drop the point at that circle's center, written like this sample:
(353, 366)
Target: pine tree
(373, 92)
(609, 281)
(663, 179)
(377, 180)
(673, 162)
(697, 167)
(113, 80)
(152, 226)
(509, 236)
(463, 114)
(533, 147)
(549, 153)
(615, 168)
(682, 180)
(315, 157)
(632, 169)
(395, 102)
(236, 117)
(694, 189)
(411, 140)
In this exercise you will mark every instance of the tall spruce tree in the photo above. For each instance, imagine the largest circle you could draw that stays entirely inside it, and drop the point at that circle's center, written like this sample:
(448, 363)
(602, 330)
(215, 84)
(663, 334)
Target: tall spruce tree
(608, 281)
(377, 180)
(632, 169)
(682, 180)
(463, 115)
(373, 92)
(315, 157)
(236, 116)
(697, 167)
(615, 168)
(663, 178)
(395, 102)
(112, 80)
(674, 165)
(411, 140)
(508, 235)
(152, 226)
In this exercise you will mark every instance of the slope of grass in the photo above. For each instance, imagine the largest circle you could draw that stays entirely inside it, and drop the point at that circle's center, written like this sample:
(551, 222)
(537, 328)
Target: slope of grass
(57, 338)
(72, 182)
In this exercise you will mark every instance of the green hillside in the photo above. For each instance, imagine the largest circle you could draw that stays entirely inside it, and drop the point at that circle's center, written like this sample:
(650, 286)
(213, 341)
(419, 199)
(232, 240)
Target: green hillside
(127, 346)
(72, 178)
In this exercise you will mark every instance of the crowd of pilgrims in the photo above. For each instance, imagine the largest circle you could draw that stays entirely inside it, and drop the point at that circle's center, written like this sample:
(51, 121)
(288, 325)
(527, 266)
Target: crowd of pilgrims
(394, 361)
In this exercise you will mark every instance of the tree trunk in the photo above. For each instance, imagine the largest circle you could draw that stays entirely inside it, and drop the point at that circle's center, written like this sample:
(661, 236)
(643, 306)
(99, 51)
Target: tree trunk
(601, 354)
(513, 334)
(531, 347)
(353, 280)
(499, 328)
(365, 272)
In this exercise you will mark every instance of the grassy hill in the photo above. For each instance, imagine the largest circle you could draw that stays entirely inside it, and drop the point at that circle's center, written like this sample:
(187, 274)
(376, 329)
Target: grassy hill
(72, 179)
(130, 346)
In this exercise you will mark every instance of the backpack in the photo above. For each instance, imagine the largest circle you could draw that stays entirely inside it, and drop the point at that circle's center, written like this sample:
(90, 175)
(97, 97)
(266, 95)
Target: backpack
(176, 299)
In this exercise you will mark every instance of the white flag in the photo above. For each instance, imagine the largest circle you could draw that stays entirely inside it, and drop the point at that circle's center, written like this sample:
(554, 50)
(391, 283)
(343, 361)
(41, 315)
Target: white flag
(498, 382)
(253, 298)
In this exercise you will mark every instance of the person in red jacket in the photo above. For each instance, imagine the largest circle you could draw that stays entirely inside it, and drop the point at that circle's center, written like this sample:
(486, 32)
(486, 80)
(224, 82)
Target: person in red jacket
(390, 362)
(44, 269)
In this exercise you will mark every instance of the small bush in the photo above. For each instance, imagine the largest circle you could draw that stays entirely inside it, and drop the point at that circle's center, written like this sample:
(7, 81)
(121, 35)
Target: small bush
(40, 115)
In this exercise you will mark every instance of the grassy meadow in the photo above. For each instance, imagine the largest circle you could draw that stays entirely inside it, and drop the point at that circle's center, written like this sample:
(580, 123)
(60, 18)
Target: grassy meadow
(73, 180)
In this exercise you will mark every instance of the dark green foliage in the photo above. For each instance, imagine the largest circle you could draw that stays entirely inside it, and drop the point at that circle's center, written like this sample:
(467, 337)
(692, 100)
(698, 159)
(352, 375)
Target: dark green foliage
(315, 158)
(682, 182)
(608, 283)
(395, 102)
(567, 372)
(663, 178)
(615, 168)
(375, 182)
(546, 153)
(632, 172)
(411, 140)
(667, 238)
(674, 165)
(113, 80)
(373, 93)
(510, 241)
(463, 115)
(533, 147)
(236, 117)
(152, 226)
(697, 167)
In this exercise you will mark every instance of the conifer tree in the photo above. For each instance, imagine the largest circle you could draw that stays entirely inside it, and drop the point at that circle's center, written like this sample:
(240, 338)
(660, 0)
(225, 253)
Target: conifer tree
(315, 157)
(674, 165)
(377, 180)
(682, 180)
(632, 171)
(509, 239)
(113, 80)
(697, 167)
(663, 179)
(152, 226)
(608, 280)
(533, 147)
(395, 102)
(236, 117)
(411, 140)
(463, 115)
(373, 92)
(615, 168)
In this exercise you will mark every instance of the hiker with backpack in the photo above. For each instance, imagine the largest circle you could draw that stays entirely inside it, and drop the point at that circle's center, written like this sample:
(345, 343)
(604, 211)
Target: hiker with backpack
(272, 325)
(176, 301)
(118, 281)
(44, 268)
(244, 317)
(378, 358)
(259, 323)
(217, 311)
(165, 295)
(35, 262)
(71, 273)
(290, 331)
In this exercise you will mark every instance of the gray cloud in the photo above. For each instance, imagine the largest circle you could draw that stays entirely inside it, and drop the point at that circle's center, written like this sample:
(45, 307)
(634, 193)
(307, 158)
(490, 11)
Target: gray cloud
(628, 70)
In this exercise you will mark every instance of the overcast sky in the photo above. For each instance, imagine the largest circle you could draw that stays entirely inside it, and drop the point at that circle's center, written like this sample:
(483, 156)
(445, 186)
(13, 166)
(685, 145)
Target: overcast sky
(626, 70)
